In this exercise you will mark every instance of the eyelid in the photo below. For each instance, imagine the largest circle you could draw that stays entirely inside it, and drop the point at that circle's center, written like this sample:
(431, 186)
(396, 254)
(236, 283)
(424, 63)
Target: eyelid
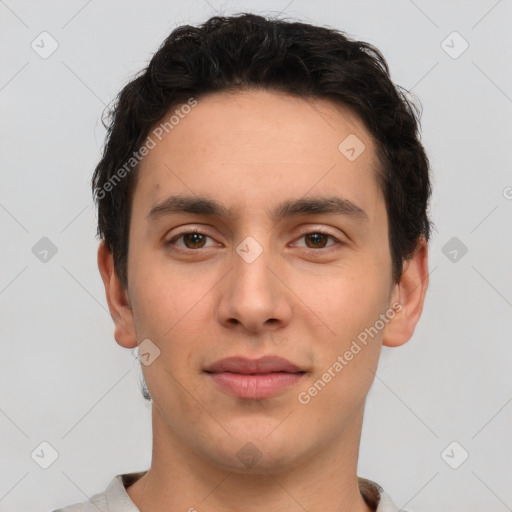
(189, 230)
(335, 233)
(321, 231)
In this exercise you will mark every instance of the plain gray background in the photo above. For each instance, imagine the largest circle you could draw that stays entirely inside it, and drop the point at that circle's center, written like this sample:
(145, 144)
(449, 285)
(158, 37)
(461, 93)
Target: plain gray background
(66, 382)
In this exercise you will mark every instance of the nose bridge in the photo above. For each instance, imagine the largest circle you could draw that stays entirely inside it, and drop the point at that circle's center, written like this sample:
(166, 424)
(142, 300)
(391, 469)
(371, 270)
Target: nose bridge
(252, 278)
(252, 294)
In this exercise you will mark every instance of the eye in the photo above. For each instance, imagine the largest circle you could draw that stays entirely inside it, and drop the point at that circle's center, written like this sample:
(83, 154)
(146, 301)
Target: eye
(191, 240)
(317, 240)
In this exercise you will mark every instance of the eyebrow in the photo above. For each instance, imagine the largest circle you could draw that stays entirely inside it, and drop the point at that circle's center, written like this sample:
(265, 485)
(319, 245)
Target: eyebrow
(292, 207)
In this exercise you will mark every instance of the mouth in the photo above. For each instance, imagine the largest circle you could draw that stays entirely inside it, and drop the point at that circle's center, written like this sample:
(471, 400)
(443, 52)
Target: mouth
(254, 379)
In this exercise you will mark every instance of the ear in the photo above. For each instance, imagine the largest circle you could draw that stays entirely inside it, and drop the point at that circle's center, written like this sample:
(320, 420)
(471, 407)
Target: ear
(117, 299)
(409, 295)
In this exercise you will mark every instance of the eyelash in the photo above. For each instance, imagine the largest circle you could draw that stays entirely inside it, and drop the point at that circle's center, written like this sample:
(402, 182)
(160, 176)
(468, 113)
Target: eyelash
(175, 238)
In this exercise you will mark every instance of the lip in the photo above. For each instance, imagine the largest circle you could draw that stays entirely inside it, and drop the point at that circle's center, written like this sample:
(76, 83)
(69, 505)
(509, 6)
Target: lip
(244, 365)
(254, 379)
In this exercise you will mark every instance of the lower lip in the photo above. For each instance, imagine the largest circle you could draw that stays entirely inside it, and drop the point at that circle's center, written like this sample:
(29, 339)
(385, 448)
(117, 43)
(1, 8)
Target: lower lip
(255, 386)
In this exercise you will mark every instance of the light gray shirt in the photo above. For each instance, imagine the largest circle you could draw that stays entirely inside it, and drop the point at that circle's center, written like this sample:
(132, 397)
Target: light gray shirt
(116, 499)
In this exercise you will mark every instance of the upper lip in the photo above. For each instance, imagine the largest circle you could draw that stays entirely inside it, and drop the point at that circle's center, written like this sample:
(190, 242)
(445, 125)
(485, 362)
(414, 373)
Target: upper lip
(244, 365)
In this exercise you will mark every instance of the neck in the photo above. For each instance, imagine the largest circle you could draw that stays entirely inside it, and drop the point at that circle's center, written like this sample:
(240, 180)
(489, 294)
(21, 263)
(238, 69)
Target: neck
(180, 479)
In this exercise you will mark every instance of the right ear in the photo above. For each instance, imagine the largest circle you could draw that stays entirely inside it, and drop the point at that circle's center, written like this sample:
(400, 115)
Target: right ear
(117, 299)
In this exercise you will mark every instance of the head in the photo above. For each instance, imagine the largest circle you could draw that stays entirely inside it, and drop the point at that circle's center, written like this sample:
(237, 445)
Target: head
(263, 191)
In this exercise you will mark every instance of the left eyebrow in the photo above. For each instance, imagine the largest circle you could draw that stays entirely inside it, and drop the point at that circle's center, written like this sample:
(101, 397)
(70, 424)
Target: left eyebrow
(318, 205)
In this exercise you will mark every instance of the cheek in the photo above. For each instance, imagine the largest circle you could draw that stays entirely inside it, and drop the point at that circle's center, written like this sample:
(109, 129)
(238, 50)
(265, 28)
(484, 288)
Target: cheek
(161, 296)
(348, 297)
(167, 313)
(154, 308)
(348, 356)
(349, 303)
(173, 311)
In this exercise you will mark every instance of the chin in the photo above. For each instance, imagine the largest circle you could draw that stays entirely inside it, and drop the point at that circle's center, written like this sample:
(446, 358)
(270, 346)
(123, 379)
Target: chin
(257, 450)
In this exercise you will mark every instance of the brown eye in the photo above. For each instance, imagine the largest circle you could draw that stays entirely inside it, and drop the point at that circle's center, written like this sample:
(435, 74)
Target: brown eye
(316, 240)
(194, 240)
(191, 240)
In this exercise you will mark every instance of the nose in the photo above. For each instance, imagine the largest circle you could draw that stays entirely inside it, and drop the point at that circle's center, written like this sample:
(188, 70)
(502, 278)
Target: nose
(253, 298)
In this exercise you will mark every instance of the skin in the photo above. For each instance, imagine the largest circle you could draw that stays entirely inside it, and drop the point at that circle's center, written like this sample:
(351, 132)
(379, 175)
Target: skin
(300, 299)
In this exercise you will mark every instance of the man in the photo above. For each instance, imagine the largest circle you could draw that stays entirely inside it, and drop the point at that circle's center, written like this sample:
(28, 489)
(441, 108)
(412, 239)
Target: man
(262, 206)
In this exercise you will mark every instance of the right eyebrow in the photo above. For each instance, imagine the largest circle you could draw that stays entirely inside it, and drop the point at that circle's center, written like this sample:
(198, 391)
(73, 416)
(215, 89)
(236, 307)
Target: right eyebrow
(189, 204)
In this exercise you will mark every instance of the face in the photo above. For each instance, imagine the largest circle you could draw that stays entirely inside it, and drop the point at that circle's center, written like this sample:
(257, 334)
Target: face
(252, 235)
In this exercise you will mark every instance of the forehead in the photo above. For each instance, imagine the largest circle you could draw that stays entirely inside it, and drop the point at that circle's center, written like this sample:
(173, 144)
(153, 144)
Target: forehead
(254, 148)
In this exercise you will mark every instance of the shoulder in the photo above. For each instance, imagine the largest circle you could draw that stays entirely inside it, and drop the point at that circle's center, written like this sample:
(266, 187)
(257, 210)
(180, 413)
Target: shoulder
(375, 497)
(97, 503)
(113, 499)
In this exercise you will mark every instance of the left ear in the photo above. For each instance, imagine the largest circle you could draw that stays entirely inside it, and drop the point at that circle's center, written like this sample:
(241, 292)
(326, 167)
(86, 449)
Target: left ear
(409, 293)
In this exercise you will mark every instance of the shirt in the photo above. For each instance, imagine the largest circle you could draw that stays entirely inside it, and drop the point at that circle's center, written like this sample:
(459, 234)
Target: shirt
(116, 499)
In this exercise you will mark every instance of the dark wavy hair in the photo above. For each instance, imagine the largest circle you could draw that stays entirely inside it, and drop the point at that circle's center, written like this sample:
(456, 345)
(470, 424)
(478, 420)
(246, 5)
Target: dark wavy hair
(248, 51)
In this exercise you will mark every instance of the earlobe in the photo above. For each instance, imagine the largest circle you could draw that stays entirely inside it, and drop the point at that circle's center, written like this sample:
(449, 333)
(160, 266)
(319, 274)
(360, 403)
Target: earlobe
(117, 299)
(410, 294)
